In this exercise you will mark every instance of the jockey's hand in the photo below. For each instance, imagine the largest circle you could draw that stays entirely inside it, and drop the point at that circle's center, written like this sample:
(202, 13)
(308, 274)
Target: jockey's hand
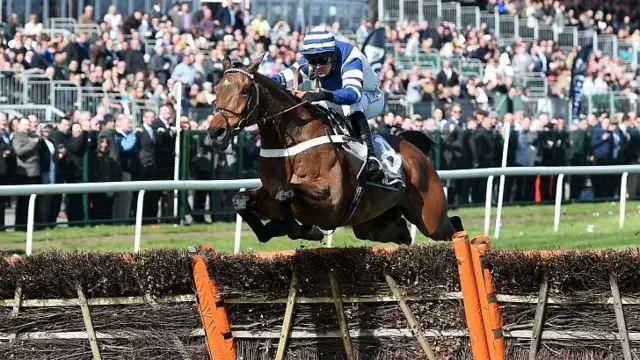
(313, 96)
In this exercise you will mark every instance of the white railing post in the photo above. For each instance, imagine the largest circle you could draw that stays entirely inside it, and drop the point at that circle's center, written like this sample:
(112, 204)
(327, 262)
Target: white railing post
(556, 216)
(414, 233)
(446, 192)
(623, 198)
(487, 205)
(238, 233)
(139, 211)
(31, 213)
(330, 239)
(177, 90)
(505, 151)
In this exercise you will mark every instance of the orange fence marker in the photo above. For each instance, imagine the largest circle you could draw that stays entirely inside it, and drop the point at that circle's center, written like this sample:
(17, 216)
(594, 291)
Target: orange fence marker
(487, 295)
(213, 311)
(472, 309)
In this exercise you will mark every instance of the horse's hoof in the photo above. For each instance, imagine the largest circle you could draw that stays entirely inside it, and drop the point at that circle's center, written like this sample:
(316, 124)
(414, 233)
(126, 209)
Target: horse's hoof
(241, 201)
(456, 222)
(284, 194)
(315, 234)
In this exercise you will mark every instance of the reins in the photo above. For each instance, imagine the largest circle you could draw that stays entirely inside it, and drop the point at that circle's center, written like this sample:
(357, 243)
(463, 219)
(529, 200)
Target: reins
(243, 119)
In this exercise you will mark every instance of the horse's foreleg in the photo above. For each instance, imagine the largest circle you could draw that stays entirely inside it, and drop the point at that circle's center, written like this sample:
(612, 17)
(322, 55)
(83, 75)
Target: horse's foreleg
(249, 204)
(284, 198)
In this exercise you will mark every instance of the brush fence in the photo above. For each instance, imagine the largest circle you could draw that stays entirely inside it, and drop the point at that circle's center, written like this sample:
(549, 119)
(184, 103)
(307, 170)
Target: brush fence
(355, 303)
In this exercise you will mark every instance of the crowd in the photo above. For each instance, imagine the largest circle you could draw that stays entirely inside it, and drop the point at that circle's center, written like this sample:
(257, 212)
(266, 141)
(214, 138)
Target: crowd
(140, 56)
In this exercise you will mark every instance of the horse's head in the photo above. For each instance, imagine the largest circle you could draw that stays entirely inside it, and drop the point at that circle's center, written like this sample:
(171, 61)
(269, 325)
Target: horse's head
(237, 102)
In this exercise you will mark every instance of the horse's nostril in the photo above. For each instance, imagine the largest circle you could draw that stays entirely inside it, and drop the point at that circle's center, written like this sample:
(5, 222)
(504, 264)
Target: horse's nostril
(217, 132)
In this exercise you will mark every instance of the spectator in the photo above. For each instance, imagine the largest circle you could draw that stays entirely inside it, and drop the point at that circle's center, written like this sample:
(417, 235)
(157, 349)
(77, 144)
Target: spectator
(103, 169)
(132, 23)
(125, 140)
(50, 155)
(5, 164)
(483, 153)
(164, 153)
(602, 145)
(185, 71)
(447, 77)
(113, 21)
(87, 16)
(33, 27)
(25, 146)
(146, 143)
(134, 59)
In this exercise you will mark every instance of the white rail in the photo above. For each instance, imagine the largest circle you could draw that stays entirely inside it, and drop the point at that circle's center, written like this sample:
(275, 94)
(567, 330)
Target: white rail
(143, 186)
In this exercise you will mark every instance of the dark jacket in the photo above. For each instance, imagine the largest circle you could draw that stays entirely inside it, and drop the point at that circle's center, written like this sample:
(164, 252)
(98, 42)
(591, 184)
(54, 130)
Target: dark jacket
(73, 161)
(602, 148)
(135, 61)
(483, 148)
(146, 151)
(165, 150)
(4, 161)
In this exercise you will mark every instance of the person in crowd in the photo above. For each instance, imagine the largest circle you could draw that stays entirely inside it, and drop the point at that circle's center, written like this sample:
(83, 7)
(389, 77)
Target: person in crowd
(103, 169)
(165, 154)
(25, 147)
(74, 170)
(50, 173)
(125, 139)
(6, 155)
(147, 138)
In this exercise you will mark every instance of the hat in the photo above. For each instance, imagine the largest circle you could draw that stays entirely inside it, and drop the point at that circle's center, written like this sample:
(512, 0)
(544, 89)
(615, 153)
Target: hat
(493, 114)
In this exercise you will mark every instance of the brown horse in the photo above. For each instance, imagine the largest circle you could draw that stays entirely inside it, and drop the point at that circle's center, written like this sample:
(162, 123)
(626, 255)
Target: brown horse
(314, 189)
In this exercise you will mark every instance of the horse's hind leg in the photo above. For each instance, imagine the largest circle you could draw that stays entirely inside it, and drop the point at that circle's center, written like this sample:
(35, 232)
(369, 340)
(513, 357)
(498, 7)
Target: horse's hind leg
(388, 227)
(248, 204)
(428, 211)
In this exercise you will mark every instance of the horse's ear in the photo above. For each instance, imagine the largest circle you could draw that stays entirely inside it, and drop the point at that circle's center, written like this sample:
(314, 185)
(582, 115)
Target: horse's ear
(253, 67)
(226, 63)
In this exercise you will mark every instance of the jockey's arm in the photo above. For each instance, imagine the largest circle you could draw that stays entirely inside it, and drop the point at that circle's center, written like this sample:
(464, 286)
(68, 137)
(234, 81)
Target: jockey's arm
(352, 83)
(285, 77)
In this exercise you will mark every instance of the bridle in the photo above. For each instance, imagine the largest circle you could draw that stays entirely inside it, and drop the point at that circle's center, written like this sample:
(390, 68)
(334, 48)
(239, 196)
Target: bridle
(245, 120)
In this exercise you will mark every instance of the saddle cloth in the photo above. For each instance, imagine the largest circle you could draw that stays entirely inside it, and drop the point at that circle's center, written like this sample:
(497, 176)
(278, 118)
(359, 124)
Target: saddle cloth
(390, 160)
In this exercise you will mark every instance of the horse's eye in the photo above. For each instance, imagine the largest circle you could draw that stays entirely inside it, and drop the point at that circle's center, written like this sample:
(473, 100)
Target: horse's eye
(246, 91)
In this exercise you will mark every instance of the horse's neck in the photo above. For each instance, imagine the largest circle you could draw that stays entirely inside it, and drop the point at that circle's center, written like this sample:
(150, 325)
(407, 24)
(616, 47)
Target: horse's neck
(290, 128)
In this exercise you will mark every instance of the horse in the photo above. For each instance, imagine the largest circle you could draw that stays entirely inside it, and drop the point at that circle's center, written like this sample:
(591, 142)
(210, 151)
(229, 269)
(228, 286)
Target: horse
(310, 189)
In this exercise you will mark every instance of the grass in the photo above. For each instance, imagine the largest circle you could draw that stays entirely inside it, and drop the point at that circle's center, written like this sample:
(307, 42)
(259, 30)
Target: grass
(524, 227)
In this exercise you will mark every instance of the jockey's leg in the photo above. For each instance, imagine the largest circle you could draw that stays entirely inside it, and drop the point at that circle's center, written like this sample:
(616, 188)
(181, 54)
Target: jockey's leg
(361, 125)
(248, 204)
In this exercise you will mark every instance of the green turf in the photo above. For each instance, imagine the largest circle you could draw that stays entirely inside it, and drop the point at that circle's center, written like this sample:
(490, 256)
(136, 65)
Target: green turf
(524, 227)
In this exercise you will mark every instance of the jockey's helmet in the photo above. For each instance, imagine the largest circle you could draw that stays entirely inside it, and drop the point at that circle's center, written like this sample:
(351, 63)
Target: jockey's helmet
(319, 46)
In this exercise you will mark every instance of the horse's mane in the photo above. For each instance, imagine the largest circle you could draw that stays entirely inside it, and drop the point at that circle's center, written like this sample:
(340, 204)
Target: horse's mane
(273, 86)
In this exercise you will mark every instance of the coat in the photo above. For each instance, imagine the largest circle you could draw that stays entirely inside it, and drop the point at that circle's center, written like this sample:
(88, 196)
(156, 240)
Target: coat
(25, 146)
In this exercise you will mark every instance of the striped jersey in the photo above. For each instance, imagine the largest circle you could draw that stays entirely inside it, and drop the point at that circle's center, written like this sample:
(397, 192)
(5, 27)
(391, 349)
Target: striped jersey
(351, 75)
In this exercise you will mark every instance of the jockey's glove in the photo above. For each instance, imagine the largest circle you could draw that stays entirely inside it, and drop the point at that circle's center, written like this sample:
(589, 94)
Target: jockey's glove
(313, 96)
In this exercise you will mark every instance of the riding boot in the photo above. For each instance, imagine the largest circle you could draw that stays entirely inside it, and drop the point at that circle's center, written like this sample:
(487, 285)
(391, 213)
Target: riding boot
(373, 168)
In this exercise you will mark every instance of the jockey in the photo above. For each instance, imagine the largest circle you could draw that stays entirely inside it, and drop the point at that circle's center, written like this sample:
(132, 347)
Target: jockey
(347, 83)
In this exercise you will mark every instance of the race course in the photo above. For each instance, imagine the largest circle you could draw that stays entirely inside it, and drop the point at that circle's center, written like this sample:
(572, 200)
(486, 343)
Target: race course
(524, 227)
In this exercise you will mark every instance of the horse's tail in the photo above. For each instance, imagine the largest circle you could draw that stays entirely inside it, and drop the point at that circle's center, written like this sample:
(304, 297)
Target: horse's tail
(418, 139)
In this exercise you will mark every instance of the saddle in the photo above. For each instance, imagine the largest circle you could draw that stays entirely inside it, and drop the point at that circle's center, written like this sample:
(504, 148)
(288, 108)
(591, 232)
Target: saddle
(339, 123)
